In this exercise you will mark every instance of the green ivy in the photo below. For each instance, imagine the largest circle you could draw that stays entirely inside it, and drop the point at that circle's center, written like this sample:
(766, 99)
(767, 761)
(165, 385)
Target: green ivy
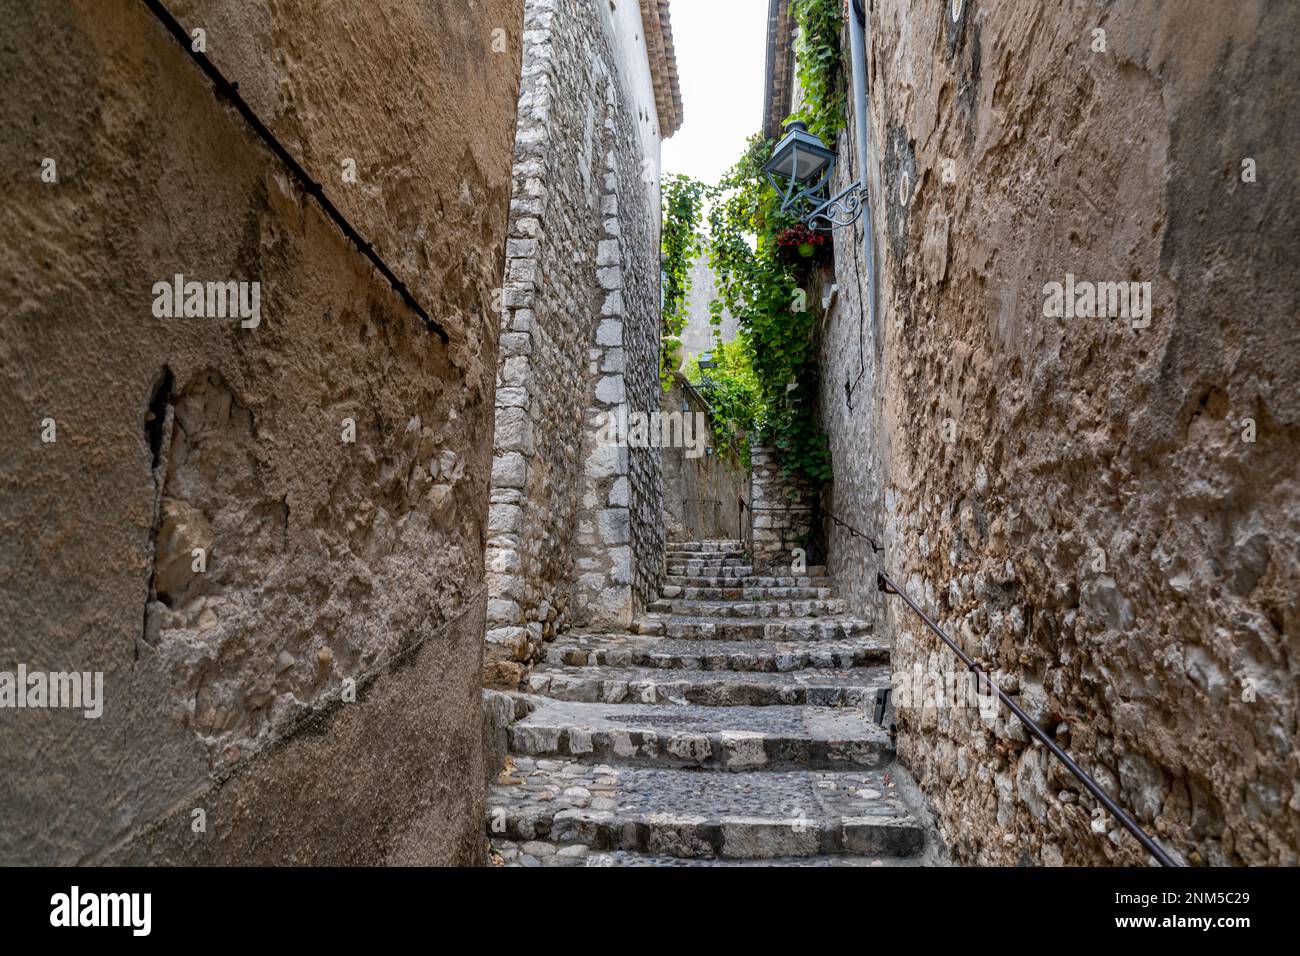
(683, 203)
(818, 58)
(734, 395)
(768, 298)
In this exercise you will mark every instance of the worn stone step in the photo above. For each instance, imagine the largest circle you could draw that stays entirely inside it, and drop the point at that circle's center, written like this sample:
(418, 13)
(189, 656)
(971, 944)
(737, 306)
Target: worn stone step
(674, 572)
(727, 738)
(706, 557)
(681, 557)
(692, 815)
(629, 650)
(714, 569)
(540, 853)
(721, 545)
(751, 629)
(830, 607)
(752, 581)
(647, 685)
(746, 592)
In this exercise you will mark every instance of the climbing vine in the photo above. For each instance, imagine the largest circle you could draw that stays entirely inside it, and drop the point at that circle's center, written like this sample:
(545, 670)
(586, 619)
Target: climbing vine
(683, 203)
(766, 292)
(818, 59)
(732, 390)
(765, 382)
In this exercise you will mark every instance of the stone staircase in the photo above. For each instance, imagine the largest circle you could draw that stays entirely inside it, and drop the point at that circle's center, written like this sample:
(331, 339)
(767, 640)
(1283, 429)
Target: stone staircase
(731, 726)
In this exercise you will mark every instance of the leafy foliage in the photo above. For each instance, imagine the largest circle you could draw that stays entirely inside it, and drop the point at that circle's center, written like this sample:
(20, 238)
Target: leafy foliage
(733, 393)
(818, 56)
(683, 202)
(766, 381)
(768, 299)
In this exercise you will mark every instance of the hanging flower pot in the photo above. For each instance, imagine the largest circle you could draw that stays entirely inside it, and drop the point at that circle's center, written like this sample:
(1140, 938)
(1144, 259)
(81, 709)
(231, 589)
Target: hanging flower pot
(800, 243)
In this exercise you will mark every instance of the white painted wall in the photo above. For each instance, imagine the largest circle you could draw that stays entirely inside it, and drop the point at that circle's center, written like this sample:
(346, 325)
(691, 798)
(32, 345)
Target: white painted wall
(622, 21)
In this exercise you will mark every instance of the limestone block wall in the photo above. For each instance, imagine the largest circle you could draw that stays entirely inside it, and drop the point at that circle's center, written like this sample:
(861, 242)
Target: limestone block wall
(781, 510)
(305, 688)
(575, 531)
(1105, 513)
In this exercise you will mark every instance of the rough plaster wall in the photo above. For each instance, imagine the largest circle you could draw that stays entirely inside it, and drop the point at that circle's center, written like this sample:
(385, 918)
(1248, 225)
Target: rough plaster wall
(699, 333)
(414, 92)
(1172, 674)
(700, 494)
(326, 561)
(573, 524)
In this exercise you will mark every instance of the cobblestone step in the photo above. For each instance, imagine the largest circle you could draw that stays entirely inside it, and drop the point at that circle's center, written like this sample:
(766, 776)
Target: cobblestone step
(690, 815)
(753, 629)
(828, 607)
(753, 581)
(712, 569)
(726, 738)
(745, 592)
(627, 650)
(515, 854)
(721, 545)
(722, 569)
(856, 687)
(681, 557)
(730, 726)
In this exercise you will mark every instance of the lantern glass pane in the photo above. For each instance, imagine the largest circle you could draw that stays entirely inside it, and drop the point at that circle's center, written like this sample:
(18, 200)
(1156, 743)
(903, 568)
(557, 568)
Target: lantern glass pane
(783, 163)
(811, 166)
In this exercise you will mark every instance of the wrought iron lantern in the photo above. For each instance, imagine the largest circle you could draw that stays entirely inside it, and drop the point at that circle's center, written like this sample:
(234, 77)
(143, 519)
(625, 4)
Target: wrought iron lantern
(799, 170)
(706, 362)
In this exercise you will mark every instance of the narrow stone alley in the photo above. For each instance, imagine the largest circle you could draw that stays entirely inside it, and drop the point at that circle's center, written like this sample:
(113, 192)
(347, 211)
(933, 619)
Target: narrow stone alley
(524, 434)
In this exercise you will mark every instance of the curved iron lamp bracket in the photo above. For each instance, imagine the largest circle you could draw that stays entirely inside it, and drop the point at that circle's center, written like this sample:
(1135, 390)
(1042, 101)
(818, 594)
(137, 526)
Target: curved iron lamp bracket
(842, 209)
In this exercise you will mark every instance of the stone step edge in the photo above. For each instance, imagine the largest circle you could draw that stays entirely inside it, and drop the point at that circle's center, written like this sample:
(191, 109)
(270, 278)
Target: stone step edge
(632, 858)
(735, 837)
(721, 750)
(716, 691)
(570, 655)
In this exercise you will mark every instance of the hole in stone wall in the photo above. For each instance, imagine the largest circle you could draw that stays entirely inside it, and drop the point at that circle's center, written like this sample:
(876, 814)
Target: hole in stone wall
(156, 414)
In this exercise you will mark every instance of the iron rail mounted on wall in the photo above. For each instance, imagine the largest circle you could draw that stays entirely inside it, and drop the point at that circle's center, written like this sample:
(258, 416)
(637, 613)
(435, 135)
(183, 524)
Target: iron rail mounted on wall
(225, 88)
(886, 585)
(854, 532)
(746, 532)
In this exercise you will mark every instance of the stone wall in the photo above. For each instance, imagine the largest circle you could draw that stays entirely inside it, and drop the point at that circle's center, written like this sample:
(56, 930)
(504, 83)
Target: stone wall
(699, 334)
(305, 688)
(701, 494)
(1105, 513)
(781, 509)
(576, 531)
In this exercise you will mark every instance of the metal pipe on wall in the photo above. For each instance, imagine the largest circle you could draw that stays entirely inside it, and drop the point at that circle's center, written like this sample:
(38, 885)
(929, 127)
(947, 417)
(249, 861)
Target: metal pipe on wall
(861, 110)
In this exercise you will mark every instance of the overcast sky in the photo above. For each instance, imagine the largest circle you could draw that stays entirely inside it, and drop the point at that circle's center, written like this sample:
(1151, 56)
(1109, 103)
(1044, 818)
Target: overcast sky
(721, 58)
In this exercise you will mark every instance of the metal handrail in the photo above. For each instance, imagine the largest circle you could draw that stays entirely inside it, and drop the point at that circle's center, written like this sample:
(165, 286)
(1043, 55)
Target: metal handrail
(886, 585)
(853, 532)
(701, 398)
(230, 91)
(746, 540)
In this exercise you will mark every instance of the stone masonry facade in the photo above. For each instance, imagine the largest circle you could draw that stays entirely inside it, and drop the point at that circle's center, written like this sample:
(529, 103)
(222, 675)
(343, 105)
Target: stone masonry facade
(781, 510)
(268, 539)
(1102, 514)
(576, 529)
